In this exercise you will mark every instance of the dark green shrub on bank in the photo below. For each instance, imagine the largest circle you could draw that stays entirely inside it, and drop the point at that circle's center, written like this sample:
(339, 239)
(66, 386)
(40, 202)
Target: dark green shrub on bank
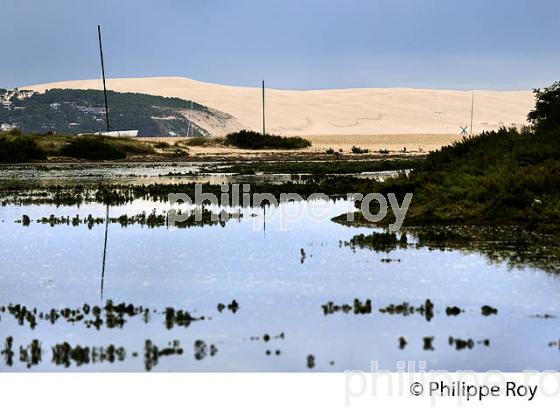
(254, 140)
(546, 115)
(19, 149)
(94, 148)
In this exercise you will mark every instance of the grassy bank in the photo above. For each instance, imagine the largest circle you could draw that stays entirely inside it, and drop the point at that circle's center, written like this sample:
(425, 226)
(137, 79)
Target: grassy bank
(15, 147)
(503, 177)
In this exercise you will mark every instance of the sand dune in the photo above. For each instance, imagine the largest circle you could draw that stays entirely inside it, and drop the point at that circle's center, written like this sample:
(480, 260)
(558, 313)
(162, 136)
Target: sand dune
(363, 111)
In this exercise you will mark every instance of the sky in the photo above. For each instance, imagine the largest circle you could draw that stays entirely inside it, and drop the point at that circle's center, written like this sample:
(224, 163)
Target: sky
(292, 44)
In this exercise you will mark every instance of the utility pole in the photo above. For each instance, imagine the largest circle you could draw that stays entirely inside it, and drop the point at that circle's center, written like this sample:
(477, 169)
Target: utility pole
(472, 112)
(263, 109)
(103, 75)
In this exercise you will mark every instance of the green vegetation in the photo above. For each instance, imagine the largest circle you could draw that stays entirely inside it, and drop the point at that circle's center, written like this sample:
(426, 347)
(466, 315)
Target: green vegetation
(82, 111)
(200, 142)
(104, 148)
(546, 115)
(254, 140)
(378, 241)
(358, 150)
(502, 177)
(16, 148)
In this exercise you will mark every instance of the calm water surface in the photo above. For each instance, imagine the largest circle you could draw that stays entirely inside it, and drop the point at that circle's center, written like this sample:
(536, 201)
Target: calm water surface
(279, 292)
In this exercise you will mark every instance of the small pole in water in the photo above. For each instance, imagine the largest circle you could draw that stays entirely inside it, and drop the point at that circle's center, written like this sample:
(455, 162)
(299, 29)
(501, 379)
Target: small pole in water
(103, 75)
(264, 120)
(472, 112)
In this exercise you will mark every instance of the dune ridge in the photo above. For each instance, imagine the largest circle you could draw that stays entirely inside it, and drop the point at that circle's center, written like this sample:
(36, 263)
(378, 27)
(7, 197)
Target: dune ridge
(358, 111)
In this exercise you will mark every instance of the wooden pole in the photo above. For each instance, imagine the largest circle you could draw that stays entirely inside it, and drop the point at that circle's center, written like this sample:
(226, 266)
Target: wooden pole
(472, 112)
(263, 108)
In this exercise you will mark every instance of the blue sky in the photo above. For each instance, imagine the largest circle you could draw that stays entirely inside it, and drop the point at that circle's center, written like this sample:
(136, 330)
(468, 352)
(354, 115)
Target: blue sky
(293, 44)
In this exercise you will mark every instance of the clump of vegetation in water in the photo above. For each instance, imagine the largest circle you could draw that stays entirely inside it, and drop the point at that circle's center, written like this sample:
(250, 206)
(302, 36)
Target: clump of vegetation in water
(358, 307)
(310, 361)
(64, 354)
(152, 353)
(453, 311)
(111, 315)
(488, 310)
(378, 241)
(461, 344)
(233, 306)
(201, 350)
(405, 309)
(428, 343)
(8, 351)
(150, 220)
(254, 140)
(178, 318)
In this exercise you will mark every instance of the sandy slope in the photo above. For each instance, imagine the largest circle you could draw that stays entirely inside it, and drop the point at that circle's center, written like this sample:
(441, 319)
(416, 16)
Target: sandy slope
(362, 111)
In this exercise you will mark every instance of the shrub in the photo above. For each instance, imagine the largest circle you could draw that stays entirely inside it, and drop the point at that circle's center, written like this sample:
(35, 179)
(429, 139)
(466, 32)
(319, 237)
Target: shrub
(161, 145)
(15, 132)
(358, 150)
(93, 148)
(546, 114)
(196, 142)
(254, 140)
(19, 149)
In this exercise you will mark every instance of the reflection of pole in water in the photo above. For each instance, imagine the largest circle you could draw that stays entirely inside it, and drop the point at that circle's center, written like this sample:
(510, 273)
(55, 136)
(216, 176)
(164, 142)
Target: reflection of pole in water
(104, 250)
(264, 221)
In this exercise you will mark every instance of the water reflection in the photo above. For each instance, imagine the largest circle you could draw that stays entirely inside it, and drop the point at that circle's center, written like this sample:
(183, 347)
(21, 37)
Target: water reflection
(245, 284)
(104, 251)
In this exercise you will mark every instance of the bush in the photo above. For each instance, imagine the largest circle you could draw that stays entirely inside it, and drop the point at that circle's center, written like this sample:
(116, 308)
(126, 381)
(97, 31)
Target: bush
(93, 148)
(546, 115)
(254, 140)
(19, 149)
(161, 145)
(358, 150)
(196, 142)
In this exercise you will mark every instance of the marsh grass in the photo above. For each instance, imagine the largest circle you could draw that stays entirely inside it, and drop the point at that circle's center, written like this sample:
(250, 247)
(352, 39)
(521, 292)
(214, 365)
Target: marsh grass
(17, 148)
(104, 148)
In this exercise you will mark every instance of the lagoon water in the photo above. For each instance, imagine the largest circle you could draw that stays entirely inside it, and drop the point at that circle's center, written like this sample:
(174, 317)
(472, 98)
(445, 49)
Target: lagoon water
(258, 262)
(280, 293)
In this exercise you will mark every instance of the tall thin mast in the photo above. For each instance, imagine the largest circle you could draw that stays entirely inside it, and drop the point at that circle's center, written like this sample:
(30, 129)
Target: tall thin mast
(264, 119)
(103, 75)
